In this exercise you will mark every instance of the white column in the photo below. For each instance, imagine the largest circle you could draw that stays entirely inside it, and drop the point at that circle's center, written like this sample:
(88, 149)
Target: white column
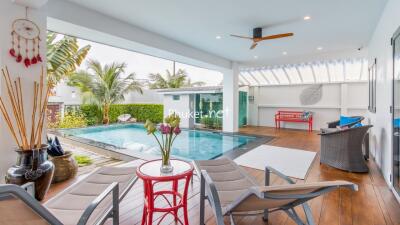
(9, 12)
(231, 99)
(253, 106)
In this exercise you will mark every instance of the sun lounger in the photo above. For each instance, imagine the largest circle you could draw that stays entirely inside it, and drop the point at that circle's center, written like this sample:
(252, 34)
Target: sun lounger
(90, 201)
(124, 118)
(231, 191)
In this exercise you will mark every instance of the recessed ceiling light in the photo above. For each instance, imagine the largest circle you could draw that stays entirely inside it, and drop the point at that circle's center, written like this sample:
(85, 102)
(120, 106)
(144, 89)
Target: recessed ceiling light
(218, 37)
(319, 48)
(284, 53)
(307, 18)
(256, 57)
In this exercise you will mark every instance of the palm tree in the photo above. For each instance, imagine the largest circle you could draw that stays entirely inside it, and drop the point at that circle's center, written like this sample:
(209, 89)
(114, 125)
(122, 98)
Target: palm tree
(177, 80)
(63, 57)
(104, 85)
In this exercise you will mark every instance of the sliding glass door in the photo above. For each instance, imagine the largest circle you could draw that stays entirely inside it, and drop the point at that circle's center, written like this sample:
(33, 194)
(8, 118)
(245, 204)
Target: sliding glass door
(396, 110)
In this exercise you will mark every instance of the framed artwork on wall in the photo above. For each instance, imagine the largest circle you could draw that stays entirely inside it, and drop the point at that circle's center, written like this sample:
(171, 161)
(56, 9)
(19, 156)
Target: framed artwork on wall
(372, 70)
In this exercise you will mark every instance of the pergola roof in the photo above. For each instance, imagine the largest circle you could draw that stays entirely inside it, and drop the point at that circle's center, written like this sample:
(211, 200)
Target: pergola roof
(328, 71)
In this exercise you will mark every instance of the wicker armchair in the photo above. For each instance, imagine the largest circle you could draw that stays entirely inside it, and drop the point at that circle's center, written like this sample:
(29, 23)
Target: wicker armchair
(336, 123)
(343, 148)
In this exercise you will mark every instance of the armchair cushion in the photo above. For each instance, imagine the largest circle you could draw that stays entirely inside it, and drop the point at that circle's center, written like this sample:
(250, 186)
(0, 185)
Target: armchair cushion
(345, 120)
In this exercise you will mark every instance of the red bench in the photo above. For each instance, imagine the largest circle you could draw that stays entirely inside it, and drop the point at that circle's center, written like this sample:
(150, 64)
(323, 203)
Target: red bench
(295, 117)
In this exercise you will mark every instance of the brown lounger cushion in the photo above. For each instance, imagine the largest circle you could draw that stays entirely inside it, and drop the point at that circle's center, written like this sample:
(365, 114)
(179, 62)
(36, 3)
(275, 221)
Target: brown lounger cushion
(69, 205)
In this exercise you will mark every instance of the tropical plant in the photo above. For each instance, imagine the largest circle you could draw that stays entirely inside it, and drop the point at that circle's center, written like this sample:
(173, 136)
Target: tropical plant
(211, 122)
(104, 85)
(83, 160)
(177, 80)
(63, 57)
(70, 120)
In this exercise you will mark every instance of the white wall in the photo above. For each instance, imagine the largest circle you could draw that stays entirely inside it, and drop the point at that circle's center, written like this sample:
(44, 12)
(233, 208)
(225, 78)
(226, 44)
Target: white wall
(380, 48)
(148, 97)
(182, 107)
(64, 93)
(269, 99)
(8, 13)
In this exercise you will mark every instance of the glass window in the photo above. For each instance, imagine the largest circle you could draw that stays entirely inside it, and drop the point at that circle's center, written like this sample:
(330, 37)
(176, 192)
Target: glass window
(176, 97)
(208, 105)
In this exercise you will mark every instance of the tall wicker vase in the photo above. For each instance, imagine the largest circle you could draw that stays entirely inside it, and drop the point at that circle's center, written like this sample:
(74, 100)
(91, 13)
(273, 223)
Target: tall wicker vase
(32, 166)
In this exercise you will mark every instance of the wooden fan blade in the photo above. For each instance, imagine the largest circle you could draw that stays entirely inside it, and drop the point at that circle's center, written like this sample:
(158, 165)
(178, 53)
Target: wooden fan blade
(253, 45)
(276, 36)
(238, 36)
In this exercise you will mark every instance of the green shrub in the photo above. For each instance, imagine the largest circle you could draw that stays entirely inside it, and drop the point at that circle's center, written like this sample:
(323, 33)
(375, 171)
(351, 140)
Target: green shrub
(92, 114)
(141, 112)
(72, 120)
(211, 122)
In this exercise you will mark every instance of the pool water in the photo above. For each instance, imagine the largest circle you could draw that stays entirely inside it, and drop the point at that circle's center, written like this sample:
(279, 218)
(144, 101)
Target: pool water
(190, 144)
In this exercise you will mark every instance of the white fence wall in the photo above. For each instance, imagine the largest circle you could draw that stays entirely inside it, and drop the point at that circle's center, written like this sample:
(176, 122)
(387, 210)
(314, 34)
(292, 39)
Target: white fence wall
(71, 96)
(337, 99)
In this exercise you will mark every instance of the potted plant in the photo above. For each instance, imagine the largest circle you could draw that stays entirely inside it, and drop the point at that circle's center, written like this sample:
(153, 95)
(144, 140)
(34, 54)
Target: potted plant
(32, 164)
(169, 130)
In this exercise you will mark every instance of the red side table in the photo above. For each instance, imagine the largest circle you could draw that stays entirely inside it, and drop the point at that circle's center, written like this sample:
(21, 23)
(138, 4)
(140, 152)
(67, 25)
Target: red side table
(150, 173)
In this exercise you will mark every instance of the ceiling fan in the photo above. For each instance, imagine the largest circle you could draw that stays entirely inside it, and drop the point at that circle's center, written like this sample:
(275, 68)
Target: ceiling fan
(257, 36)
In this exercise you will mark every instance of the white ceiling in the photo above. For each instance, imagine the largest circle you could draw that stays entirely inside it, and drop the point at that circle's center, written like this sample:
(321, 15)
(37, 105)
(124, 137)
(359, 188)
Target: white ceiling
(335, 25)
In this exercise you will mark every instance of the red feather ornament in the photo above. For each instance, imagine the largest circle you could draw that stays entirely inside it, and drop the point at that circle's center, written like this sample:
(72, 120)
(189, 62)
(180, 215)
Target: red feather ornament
(27, 62)
(12, 52)
(25, 40)
(19, 58)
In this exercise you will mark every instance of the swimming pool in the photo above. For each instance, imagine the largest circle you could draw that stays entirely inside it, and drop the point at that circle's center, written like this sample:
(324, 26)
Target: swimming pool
(133, 140)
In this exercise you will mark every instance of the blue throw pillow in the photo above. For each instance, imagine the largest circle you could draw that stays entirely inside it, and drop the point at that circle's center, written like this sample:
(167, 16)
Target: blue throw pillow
(357, 125)
(396, 123)
(345, 120)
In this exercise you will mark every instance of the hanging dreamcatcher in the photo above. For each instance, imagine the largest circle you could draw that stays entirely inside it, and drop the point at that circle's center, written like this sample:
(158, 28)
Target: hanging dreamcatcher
(25, 40)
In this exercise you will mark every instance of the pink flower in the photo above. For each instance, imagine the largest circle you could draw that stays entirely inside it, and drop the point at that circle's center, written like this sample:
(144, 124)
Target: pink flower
(165, 129)
(177, 130)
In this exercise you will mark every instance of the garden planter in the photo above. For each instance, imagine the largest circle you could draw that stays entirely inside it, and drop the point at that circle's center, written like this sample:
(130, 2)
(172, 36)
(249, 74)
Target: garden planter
(66, 167)
(32, 166)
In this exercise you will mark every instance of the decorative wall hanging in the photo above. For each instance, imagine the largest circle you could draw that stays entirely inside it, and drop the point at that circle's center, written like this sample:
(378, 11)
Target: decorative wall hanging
(311, 95)
(25, 41)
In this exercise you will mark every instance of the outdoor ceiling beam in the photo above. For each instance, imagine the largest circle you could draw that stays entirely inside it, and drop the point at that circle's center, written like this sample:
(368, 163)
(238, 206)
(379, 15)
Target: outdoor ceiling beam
(275, 76)
(265, 77)
(298, 73)
(70, 18)
(329, 73)
(244, 78)
(252, 75)
(313, 73)
(241, 80)
(287, 75)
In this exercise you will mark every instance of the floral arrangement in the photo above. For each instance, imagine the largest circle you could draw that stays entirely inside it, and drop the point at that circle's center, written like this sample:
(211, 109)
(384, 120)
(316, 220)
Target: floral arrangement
(169, 130)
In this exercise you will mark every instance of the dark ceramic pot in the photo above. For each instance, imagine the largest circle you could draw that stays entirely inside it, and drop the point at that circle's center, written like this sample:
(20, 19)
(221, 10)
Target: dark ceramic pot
(32, 166)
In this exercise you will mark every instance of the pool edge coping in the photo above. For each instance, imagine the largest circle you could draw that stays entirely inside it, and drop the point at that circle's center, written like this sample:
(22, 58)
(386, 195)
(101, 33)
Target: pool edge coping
(233, 153)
